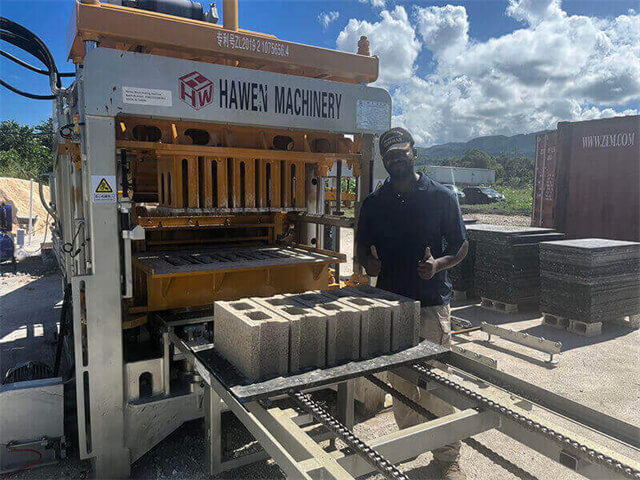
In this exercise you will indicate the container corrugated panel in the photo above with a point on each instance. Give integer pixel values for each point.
(598, 177)
(544, 191)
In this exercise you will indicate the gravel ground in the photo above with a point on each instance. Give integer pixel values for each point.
(500, 219)
(599, 372)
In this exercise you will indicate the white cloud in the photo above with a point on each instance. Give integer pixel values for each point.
(557, 67)
(443, 29)
(325, 18)
(375, 3)
(392, 39)
(534, 11)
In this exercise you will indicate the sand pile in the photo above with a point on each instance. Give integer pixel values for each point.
(15, 191)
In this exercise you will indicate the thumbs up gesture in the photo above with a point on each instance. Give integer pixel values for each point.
(373, 264)
(427, 267)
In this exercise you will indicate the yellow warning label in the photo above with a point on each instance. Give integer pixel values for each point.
(104, 187)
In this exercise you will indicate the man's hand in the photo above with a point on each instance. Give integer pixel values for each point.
(427, 267)
(373, 264)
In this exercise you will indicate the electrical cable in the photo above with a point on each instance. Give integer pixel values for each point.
(26, 40)
(32, 96)
(31, 67)
(23, 467)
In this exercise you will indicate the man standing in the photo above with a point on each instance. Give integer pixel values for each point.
(409, 233)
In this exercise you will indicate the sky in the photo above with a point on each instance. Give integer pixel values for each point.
(456, 70)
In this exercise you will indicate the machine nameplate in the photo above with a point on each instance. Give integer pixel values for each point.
(146, 96)
(219, 93)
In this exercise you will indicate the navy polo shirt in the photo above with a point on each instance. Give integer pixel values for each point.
(401, 226)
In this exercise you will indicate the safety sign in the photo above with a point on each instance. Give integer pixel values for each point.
(103, 188)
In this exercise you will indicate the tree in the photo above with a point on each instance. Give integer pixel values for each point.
(518, 171)
(26, 152)
(475, 158)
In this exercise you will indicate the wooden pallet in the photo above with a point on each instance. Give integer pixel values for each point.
(587, 329)
(497, 306)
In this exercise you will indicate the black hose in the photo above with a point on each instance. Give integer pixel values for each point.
(32, 96)
(19, 36)
(24, 64)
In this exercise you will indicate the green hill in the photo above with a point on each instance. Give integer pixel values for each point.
(522, 145)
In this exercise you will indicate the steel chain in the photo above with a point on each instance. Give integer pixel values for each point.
(476, 445)
(380, 463)
(594, 455)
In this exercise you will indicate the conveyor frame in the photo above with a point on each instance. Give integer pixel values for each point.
(300, 456)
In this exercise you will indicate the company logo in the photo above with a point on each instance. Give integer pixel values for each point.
(195, 90)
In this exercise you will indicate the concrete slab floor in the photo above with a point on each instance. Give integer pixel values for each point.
(601, 372)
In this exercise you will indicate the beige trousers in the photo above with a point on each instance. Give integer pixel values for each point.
(436, 327)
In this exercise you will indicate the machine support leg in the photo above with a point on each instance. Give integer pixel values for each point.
(346, 391)
(213, 417)
(166, 362)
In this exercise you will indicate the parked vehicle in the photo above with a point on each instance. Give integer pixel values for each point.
(459, 193)
(482, 195)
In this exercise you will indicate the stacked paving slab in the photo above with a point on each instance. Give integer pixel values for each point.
(285, 334)
(589, 281)
(462, 275)
(507, 267)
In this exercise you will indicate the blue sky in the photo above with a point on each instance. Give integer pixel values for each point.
(431, 58)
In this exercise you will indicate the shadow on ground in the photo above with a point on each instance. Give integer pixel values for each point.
(29, 319)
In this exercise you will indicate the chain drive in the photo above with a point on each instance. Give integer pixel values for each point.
(567, 442)
(376, 460)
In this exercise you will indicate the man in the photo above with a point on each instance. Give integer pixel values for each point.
(409, 233)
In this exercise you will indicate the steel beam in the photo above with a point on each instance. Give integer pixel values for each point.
(406, 444)
(521, 338)
(613, 427)
(248, 418)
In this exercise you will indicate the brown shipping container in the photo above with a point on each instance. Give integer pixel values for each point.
(597, 179)
(544, 189)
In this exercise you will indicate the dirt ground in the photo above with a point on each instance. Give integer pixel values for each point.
(16, 192)
(600, 372)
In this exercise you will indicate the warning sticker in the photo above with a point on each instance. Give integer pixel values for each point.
(103, 188)
(146, 96)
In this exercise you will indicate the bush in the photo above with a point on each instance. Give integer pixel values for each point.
(518, 201)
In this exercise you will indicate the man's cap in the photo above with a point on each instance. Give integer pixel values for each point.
(395, 139)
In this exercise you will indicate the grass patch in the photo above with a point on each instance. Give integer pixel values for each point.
(518, 201)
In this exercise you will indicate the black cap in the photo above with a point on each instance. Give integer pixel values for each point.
(395, 139)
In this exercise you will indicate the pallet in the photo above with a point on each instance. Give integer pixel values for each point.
(246, 391)
(497, 306)
(587, 329)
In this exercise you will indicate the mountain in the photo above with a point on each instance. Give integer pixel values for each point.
(522, 145)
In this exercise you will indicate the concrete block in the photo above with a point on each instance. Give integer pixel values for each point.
(375, 321)
(254, 339)
(343, 326)
(405, 315)
(307, 331)
(585, 329)
(555, 321)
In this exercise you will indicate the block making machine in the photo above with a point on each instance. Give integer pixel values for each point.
(191, 168)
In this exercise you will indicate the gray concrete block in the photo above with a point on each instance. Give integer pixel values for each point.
(405, 316)
(254, 339)
(307, 331)
(343, 326)
(375, 321)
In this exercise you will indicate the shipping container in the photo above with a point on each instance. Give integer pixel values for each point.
(587, 181)
(544, 187)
